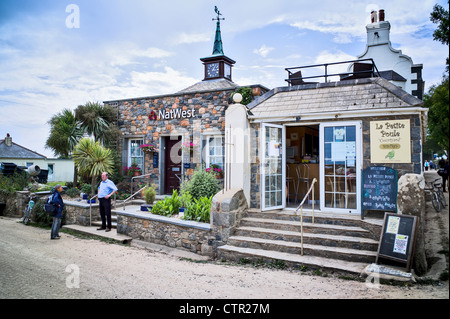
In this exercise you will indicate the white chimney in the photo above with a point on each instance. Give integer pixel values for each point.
(8, 140)
(378, 32)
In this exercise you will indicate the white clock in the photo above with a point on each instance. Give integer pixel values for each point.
(212, 70)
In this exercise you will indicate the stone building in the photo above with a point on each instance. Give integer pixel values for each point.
(185, 128)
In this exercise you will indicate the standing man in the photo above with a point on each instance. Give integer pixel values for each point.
(105, 190)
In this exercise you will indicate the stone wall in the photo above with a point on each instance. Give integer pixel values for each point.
(173, 232)
(79, 213)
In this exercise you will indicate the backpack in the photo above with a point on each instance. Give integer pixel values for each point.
(50, 207)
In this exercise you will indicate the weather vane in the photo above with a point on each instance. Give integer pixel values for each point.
(218, 14)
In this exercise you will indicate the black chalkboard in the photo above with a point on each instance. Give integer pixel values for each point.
(398, 238)
(379, 189)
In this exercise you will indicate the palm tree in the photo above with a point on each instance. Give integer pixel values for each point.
(92, 159)
(65, 132)
(98, 121)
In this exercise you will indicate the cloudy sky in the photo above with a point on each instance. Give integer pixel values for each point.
(58, 54)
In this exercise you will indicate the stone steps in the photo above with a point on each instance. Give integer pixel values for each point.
(333, 241)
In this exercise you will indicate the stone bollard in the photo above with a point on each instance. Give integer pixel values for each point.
(411, 201)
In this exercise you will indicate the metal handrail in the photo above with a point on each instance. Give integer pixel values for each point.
(140, 176)
(311, 188)
(124, 202)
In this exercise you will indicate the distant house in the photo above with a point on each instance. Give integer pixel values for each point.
(61, 170)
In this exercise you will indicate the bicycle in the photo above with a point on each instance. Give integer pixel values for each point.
(437, 196)
(27, 214)
(438, 186)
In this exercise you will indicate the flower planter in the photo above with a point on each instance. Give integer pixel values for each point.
(91, 201)
(85, 196)
(146, 207)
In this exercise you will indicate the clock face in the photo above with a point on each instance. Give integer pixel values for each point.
(212, 70)
(227, 71)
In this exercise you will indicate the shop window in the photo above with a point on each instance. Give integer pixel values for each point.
(213, 151)
(135, 154)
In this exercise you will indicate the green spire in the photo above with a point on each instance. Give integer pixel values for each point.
(218, 47)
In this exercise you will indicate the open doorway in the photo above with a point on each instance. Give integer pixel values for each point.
(302, 165)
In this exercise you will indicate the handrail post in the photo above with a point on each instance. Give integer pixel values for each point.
(90, 210)
(301, 228)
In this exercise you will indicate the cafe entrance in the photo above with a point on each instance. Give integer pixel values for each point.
(293, 155)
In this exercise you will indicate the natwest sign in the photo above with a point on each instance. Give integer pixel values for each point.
(172, 114)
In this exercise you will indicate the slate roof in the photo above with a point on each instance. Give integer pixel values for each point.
(17, 151)
(210, 85)
(349, 95)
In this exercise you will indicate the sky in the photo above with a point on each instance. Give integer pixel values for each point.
(57, 54)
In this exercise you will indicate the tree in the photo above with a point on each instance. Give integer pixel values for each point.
(65, 132)
(98, 120)
(92, 159)
(440, 16)
(437, 101)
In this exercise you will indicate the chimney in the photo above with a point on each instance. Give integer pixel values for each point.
(8, 140)
(381, 15)
(373, 16)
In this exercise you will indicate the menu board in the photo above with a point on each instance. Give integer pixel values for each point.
(397, 238)
(379, 189)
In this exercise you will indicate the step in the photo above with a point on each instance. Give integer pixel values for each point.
(229, 252)
(112, 235)
(290, 225)
(308, 238)
(341, 253)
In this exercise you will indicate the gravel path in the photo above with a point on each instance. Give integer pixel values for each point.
(33, 266)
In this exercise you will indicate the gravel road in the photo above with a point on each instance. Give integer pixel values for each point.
(33, 266)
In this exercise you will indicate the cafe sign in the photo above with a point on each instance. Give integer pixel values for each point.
(390, 141)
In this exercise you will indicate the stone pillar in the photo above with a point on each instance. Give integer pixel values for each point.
(237, 148)
(227, 209)
(411, 201)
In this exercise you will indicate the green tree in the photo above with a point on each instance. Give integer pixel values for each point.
(98, 120)
(437, 101)
(65, 132)
(92, 159)
(440, 16)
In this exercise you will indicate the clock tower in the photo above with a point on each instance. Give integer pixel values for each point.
(217, 65)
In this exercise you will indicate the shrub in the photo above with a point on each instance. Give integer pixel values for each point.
(150, 195)
(73, 192)
(202, 184)
(167, 206)
(13, 183)
(198, 210)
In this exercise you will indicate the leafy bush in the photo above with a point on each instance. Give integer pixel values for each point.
(73, 192)
(198, 210)
(167, 206)
(14, 183)
(150, 195)
(202, 184)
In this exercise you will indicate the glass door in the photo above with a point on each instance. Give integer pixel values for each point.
(340, 166)
(273, 179)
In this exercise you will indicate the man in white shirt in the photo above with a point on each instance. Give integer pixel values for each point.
(105, 190)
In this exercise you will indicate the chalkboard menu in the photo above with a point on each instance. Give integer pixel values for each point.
(379, 189)
(397, 238)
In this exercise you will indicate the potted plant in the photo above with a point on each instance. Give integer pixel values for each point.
(148, 148)
(149, 196)
(216, 170)
(184, 201)
(188, 147)
(133, 170)
(85, 191)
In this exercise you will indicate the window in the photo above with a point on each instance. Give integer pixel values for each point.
(135, 154)
(213, 151)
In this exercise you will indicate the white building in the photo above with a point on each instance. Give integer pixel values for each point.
(59, 170)
(393, 65)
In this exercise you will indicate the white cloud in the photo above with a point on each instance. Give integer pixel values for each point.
(263, 51)
(189, 38)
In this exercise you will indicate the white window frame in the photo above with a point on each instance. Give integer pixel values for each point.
(140, 153)
(206, 149)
